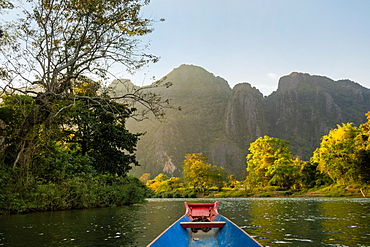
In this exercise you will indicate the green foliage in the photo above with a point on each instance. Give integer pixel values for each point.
(66, 145)
(161, 177)
(270, 163)
(164, 186)
(344, 154)
(363, 145)
(100, 133)
(49, 51)
(337, 155)
(86, 128)
(145, 177)
(335, 190)
(219, 176)
(307, 175)
(170, 184)
(232, 181)
(201, 175)
(228, 192)
(196, 171)
(84, 140)
(342, 159)
(14, 110)
(75, 192)
(65, 35)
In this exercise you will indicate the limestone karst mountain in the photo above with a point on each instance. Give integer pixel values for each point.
(221, 122)
(305, 107)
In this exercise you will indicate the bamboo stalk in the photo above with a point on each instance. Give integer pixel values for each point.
(363, 194)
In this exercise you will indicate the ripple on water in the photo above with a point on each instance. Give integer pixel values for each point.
(272, 221)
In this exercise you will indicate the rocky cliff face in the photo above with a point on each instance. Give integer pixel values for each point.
(305, 107)
(197, 128)
(221, 122)
(244, 117)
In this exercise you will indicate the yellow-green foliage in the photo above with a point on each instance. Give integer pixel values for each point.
(344, 154)
(145, 178)
(270, 163)
(163, 183)
(199, 174)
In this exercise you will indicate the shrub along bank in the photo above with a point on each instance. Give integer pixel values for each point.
(73, 193)
(270, 191)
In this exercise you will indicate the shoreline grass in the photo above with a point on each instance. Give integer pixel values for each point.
(270, 191)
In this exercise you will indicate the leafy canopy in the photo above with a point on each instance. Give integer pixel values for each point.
(269, 162)
(198, 173)
(61, 51)
(343, 154)
(101, 134)
(57, 41)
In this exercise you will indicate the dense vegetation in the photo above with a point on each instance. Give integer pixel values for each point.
(63, 138)
(343, 159)
(340, 166)
(79, 161)
(199, 178)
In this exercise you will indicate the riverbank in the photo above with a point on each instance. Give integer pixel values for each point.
(73, 193)
(269, 191)
(85, 196)
(338, 191)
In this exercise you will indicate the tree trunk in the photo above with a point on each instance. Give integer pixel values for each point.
(26, 132)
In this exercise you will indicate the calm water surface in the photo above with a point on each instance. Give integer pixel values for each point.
(272, 221)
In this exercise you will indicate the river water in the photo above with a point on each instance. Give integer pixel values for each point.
(271, 221)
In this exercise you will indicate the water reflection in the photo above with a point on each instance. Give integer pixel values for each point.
(346, 220)
(304, 221)
(272, 221)
(98, 227)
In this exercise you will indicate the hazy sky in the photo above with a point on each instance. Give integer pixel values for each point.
(258, 41)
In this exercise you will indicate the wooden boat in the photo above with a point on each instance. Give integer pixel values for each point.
(202, 225)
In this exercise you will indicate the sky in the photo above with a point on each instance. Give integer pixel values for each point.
(258, 41)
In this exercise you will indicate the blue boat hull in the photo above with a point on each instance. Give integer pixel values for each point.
(228, 235)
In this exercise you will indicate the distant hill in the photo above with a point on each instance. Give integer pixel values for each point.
(221, 122)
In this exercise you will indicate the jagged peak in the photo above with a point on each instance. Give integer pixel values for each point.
(349, 82)
(245, 86)
(301, 75)
(192, 67)
(121, 85)
(296, 79)
(294, 74)
(121, 82)
(193, 74)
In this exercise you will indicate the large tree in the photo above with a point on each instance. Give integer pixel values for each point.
(343, 154)
(96, 132)
(196, 171)
(363, 142)
(199, 174)
(56, 44)
(270, 162)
